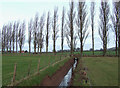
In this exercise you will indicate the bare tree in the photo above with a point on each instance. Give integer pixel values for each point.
(55, 28)
(10, 36)
(13, 35)
(3, 38)
(104, 25)
(16, 31)
(92, 23)
(115, 20)
(30, 27)
(82, 24)
(21, 35)
(119, 30)
(68, 38)
(35, 31)
(7, 37)
(40, 33)
(47, 31)
(70, 27)
(74, 42)
(62, 31)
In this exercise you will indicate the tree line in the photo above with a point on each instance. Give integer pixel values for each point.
(74, 25)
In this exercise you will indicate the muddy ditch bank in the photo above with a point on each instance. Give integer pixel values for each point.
(58, 76)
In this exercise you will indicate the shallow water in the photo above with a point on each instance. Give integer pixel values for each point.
(67, 77)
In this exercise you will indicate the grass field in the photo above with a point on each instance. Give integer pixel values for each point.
(106, 67)
(109, 52)
(23, 62)
(36, 80)
(102, 71)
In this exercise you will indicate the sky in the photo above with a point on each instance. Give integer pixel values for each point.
(19, 10)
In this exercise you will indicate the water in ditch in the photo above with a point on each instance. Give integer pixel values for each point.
(67, 78)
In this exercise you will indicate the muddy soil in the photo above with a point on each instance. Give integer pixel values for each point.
(58, 76)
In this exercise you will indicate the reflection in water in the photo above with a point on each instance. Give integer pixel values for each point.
(66, 80)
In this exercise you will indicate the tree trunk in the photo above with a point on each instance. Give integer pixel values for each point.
(62, 45)
(29, 47)
(46, 48)
(34, 48)
(7, 47)
(71, 38)
(16, 45)
(13, 46)
(103, 48)
(54, 46)
(93, 39)
(10, 46)
(38, 48)
(20, 49)
(116, 43)
(81, 49)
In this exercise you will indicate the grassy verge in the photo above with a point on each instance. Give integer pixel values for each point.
(23, 62)
(102, 71)
(36, 80)
(78, 76)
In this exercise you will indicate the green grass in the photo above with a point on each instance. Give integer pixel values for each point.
(23, 62)
(77, 76)
(102, 71)
(109, 52)
(36, 80)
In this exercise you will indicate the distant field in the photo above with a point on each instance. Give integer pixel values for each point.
(67, 53)
(91, 53)
(23, 61)
(102, 71)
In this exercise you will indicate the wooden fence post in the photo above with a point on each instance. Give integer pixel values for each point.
(60, 57)
(14, 73)
(38, 65)
(49, 61)
(29, 67)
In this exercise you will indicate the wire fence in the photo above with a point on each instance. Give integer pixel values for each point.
(20, 69)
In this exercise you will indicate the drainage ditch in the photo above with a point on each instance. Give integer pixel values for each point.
(67, 78)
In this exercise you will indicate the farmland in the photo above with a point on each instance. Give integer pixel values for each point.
(23, 62)
(105, 67)
(101, 71)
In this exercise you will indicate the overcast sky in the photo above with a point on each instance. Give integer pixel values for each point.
(19, 10)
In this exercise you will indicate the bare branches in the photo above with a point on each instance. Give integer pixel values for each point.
(104, 24)
(13, 35)
(3, 38)
(35, 28)
(119, 30)
(47, 31)
(115, 20)
(16, 31)
(40, 32)
(92, 23)
(82, 24)
(55, 28)
(30, 27)
(62, 28)
(21, 35)
(70, 27)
